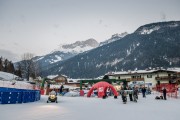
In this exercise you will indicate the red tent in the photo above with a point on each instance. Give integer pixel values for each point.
(101, 88)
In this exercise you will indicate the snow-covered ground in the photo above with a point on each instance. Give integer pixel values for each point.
(82, 108)
(9, 80)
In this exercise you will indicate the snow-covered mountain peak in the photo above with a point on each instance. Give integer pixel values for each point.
(114, 38)
(78, 46)
(149, 28)
(119, 35)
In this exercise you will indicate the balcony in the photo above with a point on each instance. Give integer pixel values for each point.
(165, 78)
(135, 79)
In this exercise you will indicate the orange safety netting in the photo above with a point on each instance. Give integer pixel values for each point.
(171, 89)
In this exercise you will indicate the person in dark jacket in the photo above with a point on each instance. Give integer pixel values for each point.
(164, 93)
(135, 94)
(61, 89)
(143, 92)
(123, 94)
(130, 93)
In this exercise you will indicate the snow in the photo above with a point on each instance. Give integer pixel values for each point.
(39, 58)
(76, 49)
(176, 69)
(16, 84)
(149, 31)
(51, 76)
(83, 108)
(138, 44)
(131, 72)
(72, 94)
(114, 62)
(114, 37)
(99, 65)
(7, 76)
(8, 80)
(56, 59)
(174, 25)
(60, 69)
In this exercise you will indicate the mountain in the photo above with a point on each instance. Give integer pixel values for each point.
(79, 46)
(113, 38)
(151, 45)
(65, 52)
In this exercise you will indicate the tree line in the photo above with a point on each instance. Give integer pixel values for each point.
(25, 68)
(7, 66)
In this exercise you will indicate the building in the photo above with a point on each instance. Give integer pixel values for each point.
(149, 78)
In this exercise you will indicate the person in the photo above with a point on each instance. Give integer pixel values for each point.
(130, 93)
(52, 96)
(135, 94)
(143, 92)
(148, 90)
(124, 98)
(164, 93)
(61, 89)
(53, 92)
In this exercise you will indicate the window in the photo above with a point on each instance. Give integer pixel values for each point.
(149, 76)
(133, 76)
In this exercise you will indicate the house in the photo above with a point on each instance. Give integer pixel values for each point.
(147, 77)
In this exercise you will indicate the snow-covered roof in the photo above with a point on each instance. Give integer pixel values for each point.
(54, 76)
(65, 86)
(174, 69)
(77, 80)
(73, 80)
(134, 72)
(51, 76)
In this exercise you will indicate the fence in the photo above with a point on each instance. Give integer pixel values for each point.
(13, 96)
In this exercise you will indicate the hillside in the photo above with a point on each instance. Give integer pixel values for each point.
(151, 45)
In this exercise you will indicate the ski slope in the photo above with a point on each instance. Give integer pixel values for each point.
(82, 108)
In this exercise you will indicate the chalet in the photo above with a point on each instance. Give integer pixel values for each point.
(148, 77)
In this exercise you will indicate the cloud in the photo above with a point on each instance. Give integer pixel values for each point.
(9, 55)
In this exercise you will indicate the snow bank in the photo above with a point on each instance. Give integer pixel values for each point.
(7, 76)
(16, 84)
(72, 94)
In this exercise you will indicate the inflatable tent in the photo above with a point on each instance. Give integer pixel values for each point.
(101, 87)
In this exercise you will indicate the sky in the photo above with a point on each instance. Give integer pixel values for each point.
(39, 26)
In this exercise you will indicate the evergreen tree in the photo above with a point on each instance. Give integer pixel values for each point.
(1, 64)
(10, 67)
(5, 65)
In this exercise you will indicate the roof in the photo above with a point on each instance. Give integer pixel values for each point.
(174, 69)
(138, 72)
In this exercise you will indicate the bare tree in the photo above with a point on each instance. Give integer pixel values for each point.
(29, 67)
(18, 72)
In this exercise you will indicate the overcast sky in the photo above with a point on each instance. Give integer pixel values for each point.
(39, 26)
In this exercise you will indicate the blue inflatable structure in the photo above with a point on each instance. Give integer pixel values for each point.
(14, 96)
